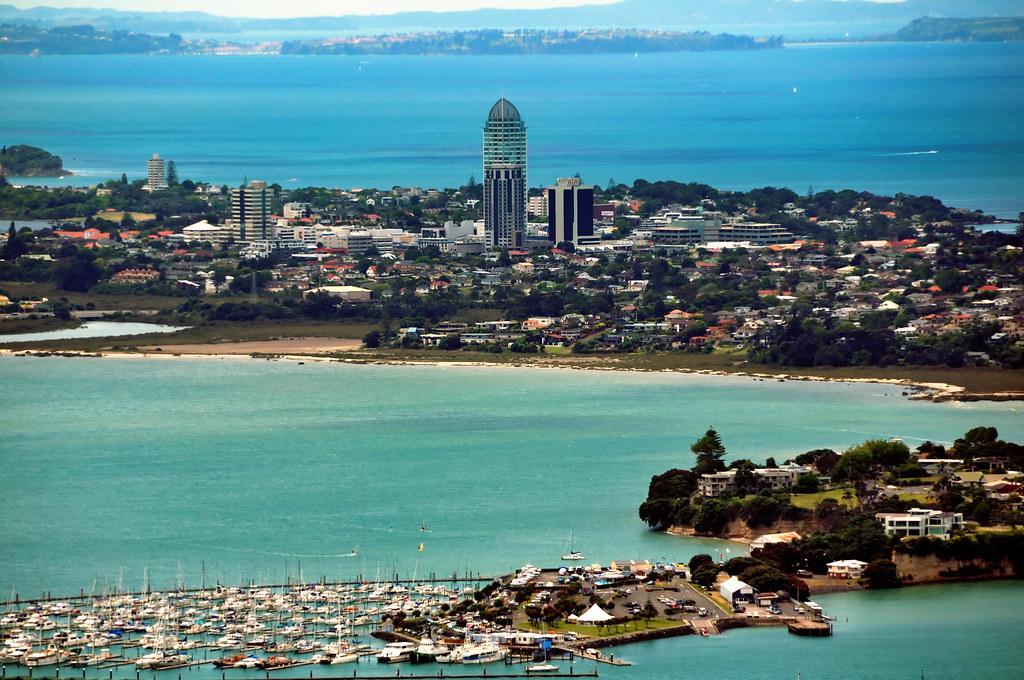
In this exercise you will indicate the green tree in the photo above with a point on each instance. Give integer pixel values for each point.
(882, 574)
(372, 339)
(806, 483)
(77, 272)
(172, 174)
(699, 560)
(15, 247)
(649, 612)
(709, 451)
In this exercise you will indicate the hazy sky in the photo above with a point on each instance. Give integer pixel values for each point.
(276, 8)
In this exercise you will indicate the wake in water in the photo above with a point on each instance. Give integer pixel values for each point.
(909, 153)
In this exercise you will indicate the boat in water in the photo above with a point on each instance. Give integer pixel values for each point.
(485, 652)
(572, 554)
(396, 652)
(428, 650)
(163, 659)
(542, 668)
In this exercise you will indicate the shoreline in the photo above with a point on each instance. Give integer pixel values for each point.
(917, 390)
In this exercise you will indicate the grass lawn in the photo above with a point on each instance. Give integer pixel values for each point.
(603, 631)
(807, 501)
(118, 215)
(917, 498)
(46, 323)
(23, 289)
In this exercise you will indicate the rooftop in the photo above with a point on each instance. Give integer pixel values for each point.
(504, 111)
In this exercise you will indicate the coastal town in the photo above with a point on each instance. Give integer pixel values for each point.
(766, 277)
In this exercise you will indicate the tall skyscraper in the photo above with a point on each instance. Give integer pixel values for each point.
(250, 211)
(570, 212)
(156, 176)
(504, 176)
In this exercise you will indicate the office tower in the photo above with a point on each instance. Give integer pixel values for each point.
(570, 212)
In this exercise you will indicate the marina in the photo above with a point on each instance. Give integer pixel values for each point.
(474, 622)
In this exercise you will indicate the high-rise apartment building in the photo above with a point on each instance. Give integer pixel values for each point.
(504, 176)
(156, 175)
(250, 211)
(504, 206)
(570, 212)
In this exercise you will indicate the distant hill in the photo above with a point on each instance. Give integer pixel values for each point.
(834, 17)
(994, 29)
(22, 160)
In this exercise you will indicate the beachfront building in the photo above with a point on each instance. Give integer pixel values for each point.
(570, 212)
(156, 176)
(921, 522)
(505, 176)
(715, 484)
(735, 591)
(846, 569)
(251, 210)
(760, 542)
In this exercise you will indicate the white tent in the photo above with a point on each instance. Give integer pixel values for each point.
(595, 615)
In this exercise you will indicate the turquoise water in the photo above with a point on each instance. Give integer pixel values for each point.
(266, 470)
(256, 470)
(93, 329)
(861, 116)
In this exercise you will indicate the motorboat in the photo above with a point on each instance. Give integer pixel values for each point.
(428, 650)
(542, 668)
(396, 652)
(485, 652)
(248, 662)
(45, 657)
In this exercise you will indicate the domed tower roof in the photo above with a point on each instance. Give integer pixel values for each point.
(504, 111)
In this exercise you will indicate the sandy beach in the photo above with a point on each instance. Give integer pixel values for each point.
(322, 350)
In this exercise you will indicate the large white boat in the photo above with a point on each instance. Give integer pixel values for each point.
(485, 652)
(428, 650)
(396, 652)
(45, 657)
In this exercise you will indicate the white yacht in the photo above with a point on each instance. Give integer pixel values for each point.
(572, 553)
(428, 650)
(485, 652)
(396, 652)
(45, 657)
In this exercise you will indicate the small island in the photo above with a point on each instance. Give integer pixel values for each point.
(22, 160)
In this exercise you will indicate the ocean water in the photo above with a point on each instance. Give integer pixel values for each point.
(941, 119)
(268, 470)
